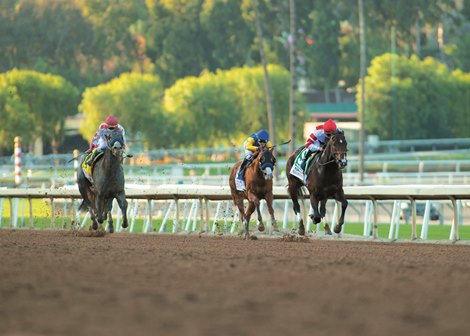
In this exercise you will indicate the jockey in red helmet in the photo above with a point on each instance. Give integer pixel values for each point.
(98, 143)
(259, 140)
(318, 139)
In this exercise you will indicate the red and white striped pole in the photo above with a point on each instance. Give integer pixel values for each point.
(17, 161)
(75, 165)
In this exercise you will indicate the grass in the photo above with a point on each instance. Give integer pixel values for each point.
(435, 232)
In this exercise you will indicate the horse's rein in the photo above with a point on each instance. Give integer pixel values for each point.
(331, 161)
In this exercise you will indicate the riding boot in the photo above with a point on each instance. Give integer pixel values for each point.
(96, 153)
(241, 173)
(304, 160)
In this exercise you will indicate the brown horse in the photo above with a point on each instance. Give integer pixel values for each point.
(259, 185)
(324, 181)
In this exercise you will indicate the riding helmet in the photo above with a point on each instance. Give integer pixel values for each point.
(111, 121)
(263, 135)
(329, 127)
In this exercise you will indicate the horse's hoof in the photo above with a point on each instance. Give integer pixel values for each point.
(94, 226)
(327, 230)
(275, 228)
(261, 227)
(125, 225)
(316, 220)
(111, 230)
(337, 229)
(302, 231)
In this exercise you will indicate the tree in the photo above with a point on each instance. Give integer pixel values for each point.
(424, 94)
(323, 52)
(136, 100)
(178, 44)
(247, 84)
(49, 37)
(204, 110)
(44, 99)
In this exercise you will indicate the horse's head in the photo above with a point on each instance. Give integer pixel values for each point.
(266, 163)
(116, 144)
(338, 148)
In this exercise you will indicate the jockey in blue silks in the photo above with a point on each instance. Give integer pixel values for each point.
(256, 141)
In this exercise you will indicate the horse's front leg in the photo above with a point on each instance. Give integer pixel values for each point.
(253, 203)
(323, 214)
(94, 223)
(269, 203)
(316, 217)
(294, 195)
(251, 208)
(100, 207)
(238, 201)
(260, 220)
(122, 202)
(109, 207)
(344, 205)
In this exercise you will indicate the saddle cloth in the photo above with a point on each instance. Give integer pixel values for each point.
(239, 183)
(87, 169)
(296, 170)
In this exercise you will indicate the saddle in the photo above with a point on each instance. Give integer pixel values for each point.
(88, 169)
(297, 171)
(240, 184)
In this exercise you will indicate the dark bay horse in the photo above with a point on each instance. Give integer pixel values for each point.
(259, 185)
(324, 181)
(108, 184)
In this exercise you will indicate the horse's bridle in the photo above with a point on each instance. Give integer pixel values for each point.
(338, 157)
(116, 148)
(266, 168)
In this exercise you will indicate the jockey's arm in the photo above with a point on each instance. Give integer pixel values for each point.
(250, 145)
(124, 135)
(269, 146)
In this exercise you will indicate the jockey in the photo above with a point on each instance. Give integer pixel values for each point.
(259, 140)
(318, 139)
(99, 142)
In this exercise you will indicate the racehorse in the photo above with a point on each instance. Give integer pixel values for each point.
(259, 185)
(108, 184)
(324, 181)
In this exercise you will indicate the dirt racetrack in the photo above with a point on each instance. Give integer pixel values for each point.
(57, 283)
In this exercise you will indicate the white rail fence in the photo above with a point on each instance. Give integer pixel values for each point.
(212, 204)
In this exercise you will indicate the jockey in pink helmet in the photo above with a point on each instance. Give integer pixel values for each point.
(99, 142)
(318, 139)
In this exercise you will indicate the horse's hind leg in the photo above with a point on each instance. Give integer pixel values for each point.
(294, 195)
